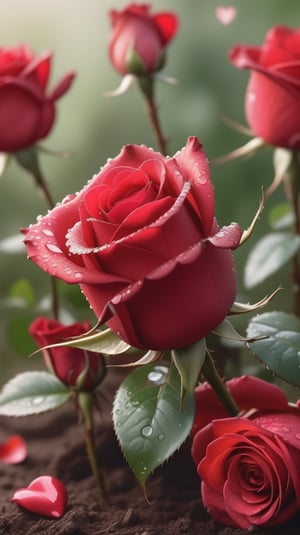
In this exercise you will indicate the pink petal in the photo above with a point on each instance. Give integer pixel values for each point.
(46, 496)
(225, 15)
(14, 450)
(63, 86)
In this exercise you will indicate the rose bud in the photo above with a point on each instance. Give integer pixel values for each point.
(143, 242)
(272, 102)
(77, 368)
(27, 112)
(249, 465)
(138, 41)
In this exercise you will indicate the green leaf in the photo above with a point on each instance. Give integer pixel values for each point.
(189, 361)
(32, 393)
(106, 342)
(269, 255)
(151, 420)
(281, 216)
(12, 244)
(280, 352)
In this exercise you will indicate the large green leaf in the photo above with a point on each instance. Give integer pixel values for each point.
(32, 393)
(189, 361)
(150, 418)
(280, 352)
(269, 255)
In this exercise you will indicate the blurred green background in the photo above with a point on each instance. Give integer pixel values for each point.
(94, 128)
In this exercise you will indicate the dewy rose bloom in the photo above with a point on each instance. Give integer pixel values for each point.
(73, 367)
(142, 240)
(249, 465)
(272, 101)
(27, 112)
(139, 39)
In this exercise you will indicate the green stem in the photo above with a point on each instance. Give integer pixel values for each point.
(85, 402)
(212, 376)
(28, 159)
(147, 87)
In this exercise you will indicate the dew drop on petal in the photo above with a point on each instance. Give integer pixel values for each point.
(78, 275)
(53, 248)
(47, 232)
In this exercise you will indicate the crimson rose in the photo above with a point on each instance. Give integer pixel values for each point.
(272, 102)
(249, 465)
(73, 367)
(27, 113)
(139, 39)
(142, 240)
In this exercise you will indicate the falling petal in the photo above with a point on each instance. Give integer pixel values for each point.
(225, 15)
(13, 450)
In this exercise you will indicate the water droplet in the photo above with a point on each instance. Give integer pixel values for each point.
(285, 429)
(158, 375)
(161, 436)
(38, 400)
(47, 232)
(53, 248)
(147, 431)
(78, 275)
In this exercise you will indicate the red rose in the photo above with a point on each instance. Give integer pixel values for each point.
(272, 101)
(249, 465)
(139, 39)
(27, 113)
(142, 241)
(73, 367)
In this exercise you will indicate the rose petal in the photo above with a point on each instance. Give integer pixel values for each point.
(225, 15)
(193, 163)
(167, 24)
(45, 496)
(13, 450)
(227, 237)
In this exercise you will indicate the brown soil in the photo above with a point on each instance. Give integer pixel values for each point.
(56, 447)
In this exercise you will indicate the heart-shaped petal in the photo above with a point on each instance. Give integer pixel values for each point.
(45, 496)
(13, 450)
(225, 15)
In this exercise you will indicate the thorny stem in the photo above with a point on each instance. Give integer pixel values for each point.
(212, 376)
(147, 87)
(85, 402)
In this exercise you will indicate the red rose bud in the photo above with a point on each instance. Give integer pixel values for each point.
(27, 112)
(272, 101)
(74, 367)
(143, 242)
(138, 42)
(249, 465)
